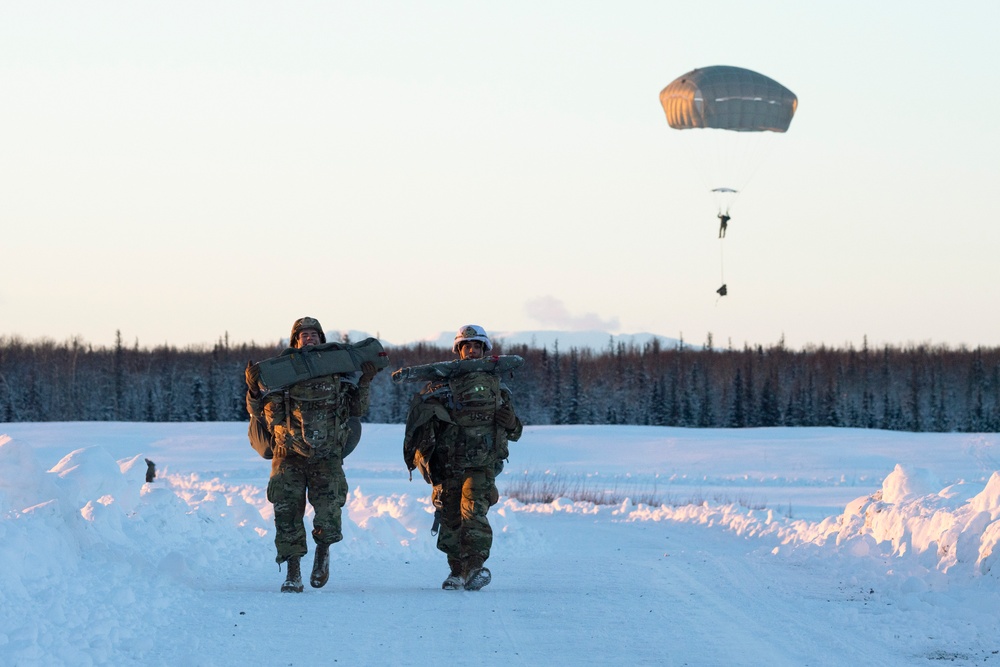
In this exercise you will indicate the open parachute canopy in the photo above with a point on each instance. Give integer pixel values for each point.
(728, 98)
(741, 113)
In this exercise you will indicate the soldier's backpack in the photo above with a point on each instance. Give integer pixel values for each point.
(466, 399)
(262, 440)
(278, 373)
(475, 398)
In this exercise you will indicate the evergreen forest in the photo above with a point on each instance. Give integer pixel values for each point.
(908, 388)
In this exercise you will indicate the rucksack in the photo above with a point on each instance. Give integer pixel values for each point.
(467, 400)
(475, 398)
(262, 440)
(426, 407)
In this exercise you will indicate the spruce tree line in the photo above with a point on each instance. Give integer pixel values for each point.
(910, 388)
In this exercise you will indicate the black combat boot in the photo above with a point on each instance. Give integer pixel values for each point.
(455, 580)
(293, 580)
(321, 566)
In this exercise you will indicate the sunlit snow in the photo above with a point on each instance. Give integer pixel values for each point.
(734, 547)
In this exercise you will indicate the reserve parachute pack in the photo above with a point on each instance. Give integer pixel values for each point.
(315, 361)
(442, 370)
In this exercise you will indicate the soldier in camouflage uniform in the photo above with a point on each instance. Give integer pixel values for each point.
(309, 424)
(469, 448)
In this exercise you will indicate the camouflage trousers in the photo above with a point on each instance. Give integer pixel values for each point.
(466, 535)
(295, 480)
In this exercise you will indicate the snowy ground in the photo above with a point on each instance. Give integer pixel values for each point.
(802, 547)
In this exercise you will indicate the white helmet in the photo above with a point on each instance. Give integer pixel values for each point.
(472, 332)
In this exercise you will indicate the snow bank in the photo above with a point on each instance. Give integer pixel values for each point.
(88, 548)
(954, 530)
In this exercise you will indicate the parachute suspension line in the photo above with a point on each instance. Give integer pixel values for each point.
(722, 271)
(722, 261)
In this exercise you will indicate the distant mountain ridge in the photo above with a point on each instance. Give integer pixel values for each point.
(598, 341)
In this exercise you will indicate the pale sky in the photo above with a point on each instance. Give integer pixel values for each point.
(180, 170)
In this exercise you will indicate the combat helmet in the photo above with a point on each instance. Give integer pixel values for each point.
(471, 332)
(306, 323)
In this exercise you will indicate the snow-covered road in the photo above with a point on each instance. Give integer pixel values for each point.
(97, 568)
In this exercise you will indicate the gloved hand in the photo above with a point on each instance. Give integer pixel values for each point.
(368, 371)
(506, 418)
(253, 379)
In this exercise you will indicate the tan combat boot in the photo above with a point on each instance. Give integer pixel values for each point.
(293, 580)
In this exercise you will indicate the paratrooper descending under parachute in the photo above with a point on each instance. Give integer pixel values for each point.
(731, 104)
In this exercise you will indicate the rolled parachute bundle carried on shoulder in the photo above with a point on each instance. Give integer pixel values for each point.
(442, 370)
(315, 361)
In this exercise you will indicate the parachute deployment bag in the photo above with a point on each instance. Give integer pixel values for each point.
(293, 366)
